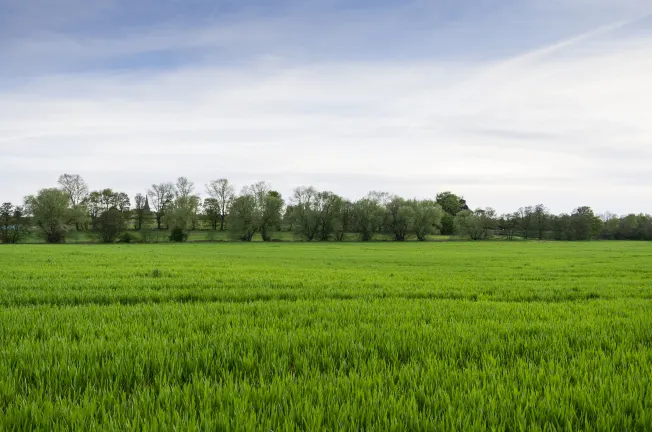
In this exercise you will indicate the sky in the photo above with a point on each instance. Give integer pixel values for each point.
(508, 103)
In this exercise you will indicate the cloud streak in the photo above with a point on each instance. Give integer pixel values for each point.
(565, 124)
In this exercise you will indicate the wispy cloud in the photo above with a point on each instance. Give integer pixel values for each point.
(541, 125)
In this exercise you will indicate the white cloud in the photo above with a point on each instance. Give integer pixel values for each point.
(565, 125)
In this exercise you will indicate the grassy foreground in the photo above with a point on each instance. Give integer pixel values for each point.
(447, 336)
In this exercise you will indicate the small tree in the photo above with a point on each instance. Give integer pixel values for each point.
(475, 225)
(244, 218)
(14, 225)
(110, 225)
(427, 216)
(270, 215)
(213, 212)
(52, 213)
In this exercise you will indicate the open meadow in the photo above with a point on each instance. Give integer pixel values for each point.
(327, 336)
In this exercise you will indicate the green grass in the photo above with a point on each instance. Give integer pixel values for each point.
(382, 336)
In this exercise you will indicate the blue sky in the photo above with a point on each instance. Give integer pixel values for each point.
(507, 102)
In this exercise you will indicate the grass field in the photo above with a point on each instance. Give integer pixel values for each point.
(383, 336)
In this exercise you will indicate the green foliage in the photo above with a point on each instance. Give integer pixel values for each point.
(110, 224)
(452, 336)
(14, 224)
(128, 237)
(178, 235)
(367, 215)
(475, 225)
(257, 210)
(447, 224)
(51, 212)
(244, 218)
(427, 217)
(584, 224)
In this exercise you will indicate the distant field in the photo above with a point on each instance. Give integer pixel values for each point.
(383, 336)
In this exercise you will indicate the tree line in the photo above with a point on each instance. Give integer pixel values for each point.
(312, 215)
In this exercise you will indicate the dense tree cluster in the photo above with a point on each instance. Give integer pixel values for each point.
(312, 215)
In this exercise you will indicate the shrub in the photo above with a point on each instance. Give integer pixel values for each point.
(178, 235)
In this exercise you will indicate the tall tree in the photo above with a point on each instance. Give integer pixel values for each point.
(75, 187)
(52, 213)
(160, 196)
(329, 206)
(368, 215)
(541, 220)
(223, 193)
(401, 218)
(451, 204)
(584, 224)
(244, 217)
(270, 215)
(77, 190)
(183, 188)
(305, 212)
(525, 217)
(427, 217)
(213, 212)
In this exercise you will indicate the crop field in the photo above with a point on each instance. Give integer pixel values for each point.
(381, 336)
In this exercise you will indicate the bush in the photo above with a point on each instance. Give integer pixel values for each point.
(178, 235)
(129, 238)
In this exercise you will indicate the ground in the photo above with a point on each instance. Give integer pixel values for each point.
(298, 336)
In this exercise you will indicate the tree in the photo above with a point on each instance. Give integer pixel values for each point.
(401, 217)
(288, 216)
(475, 225)
(52, 213)
(524, 219)
(160, 196)
(94, 206)
(213, 212)
(181, 213)
(561, 226)
(98, 202)
(223, 193)
(14, 225)
(77, 190)
(258, 209)
(541, 220)
(344, 221)
(75, 186)
(427, 217)
(110, 225)
(329, 207)
(507, 224)
(584, 224)
(244, 217)
(305, 212)
(367, 215)
(451, 204)
(183, 188)
(141, 210)
(270, 215)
